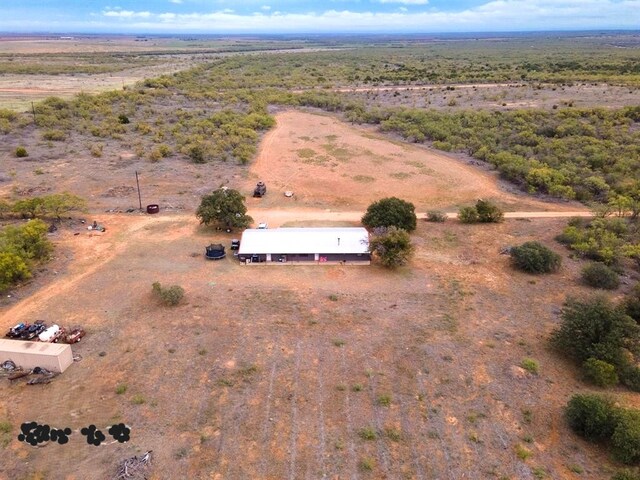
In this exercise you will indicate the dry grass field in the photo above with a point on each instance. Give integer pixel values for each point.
(299, 372)
(93, 64)
(495, 96)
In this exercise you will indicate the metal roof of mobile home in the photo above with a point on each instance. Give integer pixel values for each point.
(305, 240)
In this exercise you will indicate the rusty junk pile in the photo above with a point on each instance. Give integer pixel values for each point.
(13, 372)
(134, 467)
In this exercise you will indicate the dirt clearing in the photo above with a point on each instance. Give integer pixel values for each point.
(331, 164)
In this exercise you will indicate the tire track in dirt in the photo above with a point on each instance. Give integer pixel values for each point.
(294, 416)
(409, 436)
(113, 242)
(266, 424)
(352, 463)
(277, 217)
(322, 444)
(443, 462)
(235, 405)
(383, 451)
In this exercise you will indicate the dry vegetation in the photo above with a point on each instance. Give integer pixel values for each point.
(441, 369)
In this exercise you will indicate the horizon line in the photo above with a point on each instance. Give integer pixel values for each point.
(324, 33)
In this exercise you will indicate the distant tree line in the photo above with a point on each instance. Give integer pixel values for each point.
(47, 206)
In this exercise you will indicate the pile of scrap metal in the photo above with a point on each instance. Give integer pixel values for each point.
(96, 227)
(45, 376)
(13, 372)
(134, 467)
(8, 369)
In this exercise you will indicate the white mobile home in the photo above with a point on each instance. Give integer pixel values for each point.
(305, 246)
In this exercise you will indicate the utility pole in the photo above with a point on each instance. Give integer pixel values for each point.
(138, 184)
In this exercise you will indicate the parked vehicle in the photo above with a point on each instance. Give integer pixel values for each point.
(262, 226)
(260, 190)
(235, 244)
(51, 334)
(34, 330)
(17, 330)
(75, 335)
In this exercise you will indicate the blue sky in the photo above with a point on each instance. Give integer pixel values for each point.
(315, 16)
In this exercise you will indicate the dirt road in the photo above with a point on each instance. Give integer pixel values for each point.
(276, 218)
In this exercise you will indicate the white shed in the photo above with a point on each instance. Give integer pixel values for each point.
(55, 357)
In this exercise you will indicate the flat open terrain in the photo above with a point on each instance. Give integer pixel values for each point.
(498, 96)
(34, 68)
(299, 372)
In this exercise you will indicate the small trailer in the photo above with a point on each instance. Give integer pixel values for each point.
(75, 335)
(51, 334)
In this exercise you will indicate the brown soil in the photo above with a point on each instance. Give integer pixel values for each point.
(330, 164)
(274, 372)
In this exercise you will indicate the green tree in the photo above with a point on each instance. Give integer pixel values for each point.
(391, 212)
(198, 154)
(598, 275)
(436, 216)
(621, 204)
(29, 241)
(625, 441)
(468, 215)
(533, 257)
(631, 303)
(5, 208)
(597, 329)
(12, 269)
(488, 212)
(626, 475)
(601, 373)
(591, 416)
(29, 207)
(632, 251)
(392, 246)
(61, 203)
(170, 296)
(224, 208)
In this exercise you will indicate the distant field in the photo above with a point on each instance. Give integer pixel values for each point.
(34, 68)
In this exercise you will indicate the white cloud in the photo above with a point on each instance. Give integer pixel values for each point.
(403, 9)
(406, 2)
(265, 7)
(494, 15)
(126, 14)
(177, 2)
